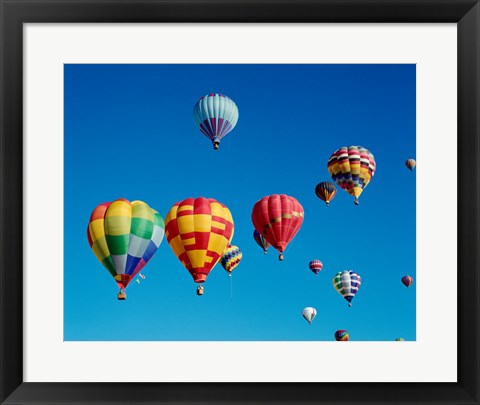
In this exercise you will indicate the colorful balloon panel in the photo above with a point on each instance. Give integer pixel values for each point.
(410, 164)
(261, 241)
(278, 218)
(231, 258)
(309, 313)
(342, 335)
(316, 266)
(216, 115)
(407, 281)
(326, 191)
(352, 169)
(347, 284)
(198, 230)
(124, 236)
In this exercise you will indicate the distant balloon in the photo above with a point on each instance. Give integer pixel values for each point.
(124, 236)
(326, 191)
(342, 335)
(399, 340)
(278, 218)
(261, 241)
(231, 258)
(410, 164)
(352, 169)
(407, 281)
(216, 115)
(198, 230)
(309, 313)
(315, 266)
(347, 284)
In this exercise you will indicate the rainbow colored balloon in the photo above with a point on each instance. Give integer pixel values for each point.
(407, 281)
(216, 115)
(124, 236)
(231, 258)
(352, 169)
(316, 266)
(347, 284)
(342, 335)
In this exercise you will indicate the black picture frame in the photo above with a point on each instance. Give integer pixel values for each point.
(14, 13)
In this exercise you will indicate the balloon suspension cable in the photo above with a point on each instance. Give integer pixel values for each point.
(231, 287)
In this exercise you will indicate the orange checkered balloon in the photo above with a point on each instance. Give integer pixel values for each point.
(198, 230)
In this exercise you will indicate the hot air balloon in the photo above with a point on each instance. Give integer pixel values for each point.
(399, 340)
(261, 241)
(124, 236)
(198, 230)
(315, 266)
(410, 164)
(278, 218)
(407, 281)
(231, 258)
(342, 335)
(352, 169)
(216, 115)
(326, 191)
(347, 284)
(309, 313)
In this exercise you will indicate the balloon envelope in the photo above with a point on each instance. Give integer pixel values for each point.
(216, 115)
(198, 230)
(316, 266)
(352, 169)
(309, 313)
(342, 335)
(124, 236)
(261, 241)
(278, 218)
(347, 284)
(410, 164)
(326, 191)
(407, 281)
(231, 258)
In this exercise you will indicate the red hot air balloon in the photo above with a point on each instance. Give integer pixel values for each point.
(278, 218)
(315, 266)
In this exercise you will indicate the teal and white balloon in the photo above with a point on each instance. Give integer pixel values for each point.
(216, 115)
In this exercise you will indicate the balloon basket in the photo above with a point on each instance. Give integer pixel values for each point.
(215, 145)
(200, 290)
(122, 296)
(280, 257)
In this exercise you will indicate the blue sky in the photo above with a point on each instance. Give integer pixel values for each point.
(129, 132)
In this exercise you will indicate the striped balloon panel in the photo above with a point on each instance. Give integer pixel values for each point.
(231, 258)
(278, 218)
(347, 284)
(124, 236)
(315, 266)
(326, 191)
(216, 115)
(352, 168)
(342, 335)
(198, 231)
(407, 280)
(309, 313)
(261, 241)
